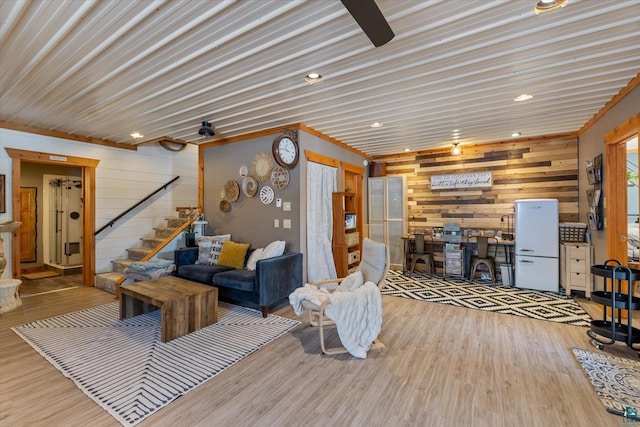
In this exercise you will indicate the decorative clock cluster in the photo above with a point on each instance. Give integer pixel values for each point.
(272, 176)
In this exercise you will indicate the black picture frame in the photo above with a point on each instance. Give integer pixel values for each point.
(597, 168)
(591, 175)
(3, 204)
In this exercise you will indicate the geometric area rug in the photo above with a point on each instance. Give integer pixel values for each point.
(552, 306)
(124, 366)
(615, 379)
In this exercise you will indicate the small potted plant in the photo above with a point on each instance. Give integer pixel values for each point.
(190, 230)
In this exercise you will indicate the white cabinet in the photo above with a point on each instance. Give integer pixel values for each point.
(575, 267)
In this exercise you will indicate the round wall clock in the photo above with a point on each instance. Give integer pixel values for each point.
(266, 195)
(261, 166)
(285, 150)
(279, 178)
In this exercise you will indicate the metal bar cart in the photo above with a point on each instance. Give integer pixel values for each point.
(607, 331)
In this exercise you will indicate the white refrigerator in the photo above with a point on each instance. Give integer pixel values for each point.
(536, 244)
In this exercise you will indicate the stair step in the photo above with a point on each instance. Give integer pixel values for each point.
(107, 281)
(175, 222)
(162, 232)
(119, 265)
(137, 254)
(151, 242)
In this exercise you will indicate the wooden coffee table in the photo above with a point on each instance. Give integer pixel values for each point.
(185, 306)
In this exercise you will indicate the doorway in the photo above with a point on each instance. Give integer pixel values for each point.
(615, 173)
(87, 168)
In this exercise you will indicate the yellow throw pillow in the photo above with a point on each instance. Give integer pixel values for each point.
(233, 254)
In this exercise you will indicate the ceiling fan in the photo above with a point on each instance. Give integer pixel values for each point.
(371, 20)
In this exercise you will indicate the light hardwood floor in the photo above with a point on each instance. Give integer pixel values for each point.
(443, 366)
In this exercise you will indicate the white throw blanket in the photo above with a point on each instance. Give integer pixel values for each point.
(357, 313)
(309, 293)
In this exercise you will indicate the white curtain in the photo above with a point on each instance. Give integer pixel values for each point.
(321, 182)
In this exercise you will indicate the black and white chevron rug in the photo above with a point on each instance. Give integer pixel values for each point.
(124, 367)
(489, 297)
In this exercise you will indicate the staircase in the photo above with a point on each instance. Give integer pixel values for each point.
(148, 248)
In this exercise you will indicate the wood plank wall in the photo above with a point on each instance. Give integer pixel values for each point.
(538, 168)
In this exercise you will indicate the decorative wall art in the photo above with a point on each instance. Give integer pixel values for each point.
(266, 195)
(261, 166)
(249, 186)
(461, 180)
(279, 178)
(232, 190)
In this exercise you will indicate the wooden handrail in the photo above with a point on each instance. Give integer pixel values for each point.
(110, 223)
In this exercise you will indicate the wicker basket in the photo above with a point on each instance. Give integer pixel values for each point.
(573, 232)
(351, 239)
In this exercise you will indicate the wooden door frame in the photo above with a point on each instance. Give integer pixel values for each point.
(616, 179)
(88, 167)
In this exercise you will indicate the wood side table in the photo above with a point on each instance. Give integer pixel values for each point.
(185, 306)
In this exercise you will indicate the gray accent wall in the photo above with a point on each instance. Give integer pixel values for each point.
(249, 220)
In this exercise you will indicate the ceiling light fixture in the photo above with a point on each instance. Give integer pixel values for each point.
(515, 134)
(523, 97)
(312, 78)
(456, 150)
(137, 135)
(548, 5)
(406, 150)
(206, 130)
(376, 125)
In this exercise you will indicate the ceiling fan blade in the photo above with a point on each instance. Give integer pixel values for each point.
(370, 19)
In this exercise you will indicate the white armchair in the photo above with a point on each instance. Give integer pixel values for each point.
(353, 303)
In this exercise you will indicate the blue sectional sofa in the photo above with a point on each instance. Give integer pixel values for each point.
(272, 281)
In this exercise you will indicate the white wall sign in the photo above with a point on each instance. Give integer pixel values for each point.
(462, 180)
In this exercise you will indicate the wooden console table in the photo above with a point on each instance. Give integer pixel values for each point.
(185, 306)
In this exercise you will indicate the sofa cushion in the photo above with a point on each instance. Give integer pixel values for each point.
(273, 249)
(201, 273)
(233, 254)
(254, 258)
(216, 248)
(242, 280)
(204, 246)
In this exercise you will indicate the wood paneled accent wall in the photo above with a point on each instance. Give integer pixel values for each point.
(525, 169)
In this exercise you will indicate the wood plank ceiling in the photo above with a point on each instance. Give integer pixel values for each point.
(106, 68)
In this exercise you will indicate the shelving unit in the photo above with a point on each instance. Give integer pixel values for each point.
(614, 299)
(347, 231)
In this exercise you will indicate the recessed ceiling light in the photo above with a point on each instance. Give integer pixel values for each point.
(407, 149)
(549, 5)
(376, 125)
(523, 97)
(137, 135)
(312, 78)
(516, 134)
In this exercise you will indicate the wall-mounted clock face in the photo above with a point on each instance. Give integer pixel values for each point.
(266, 195)
(285, 151)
